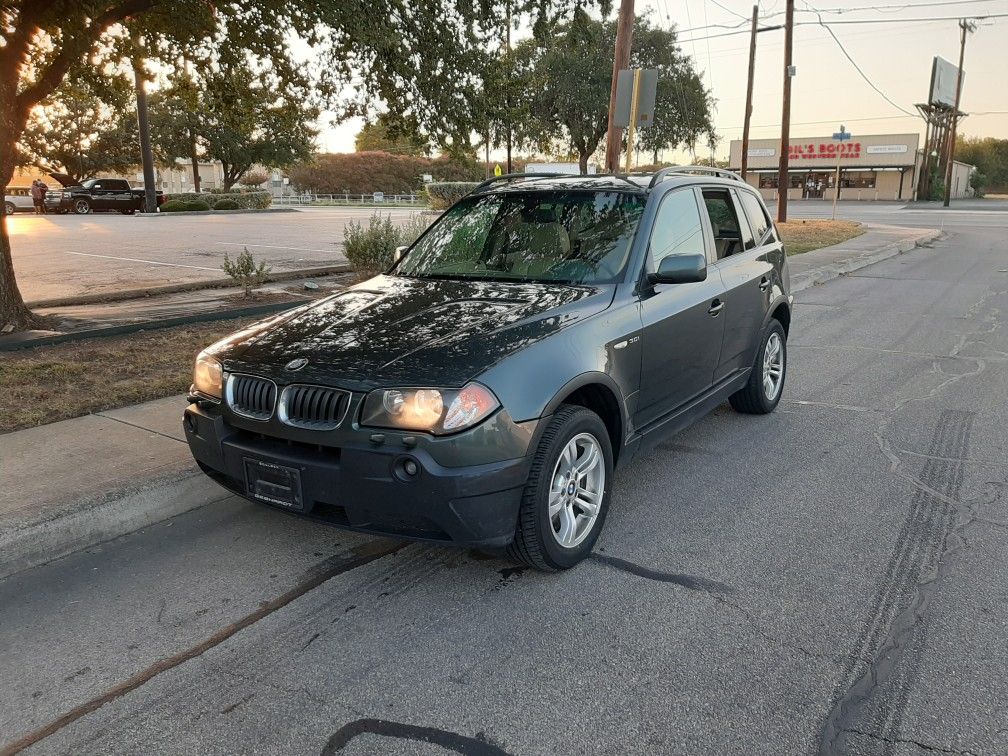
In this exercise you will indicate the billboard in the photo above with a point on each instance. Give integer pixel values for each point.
(944, 80)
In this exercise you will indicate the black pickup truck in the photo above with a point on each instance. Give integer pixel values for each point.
(96, 194)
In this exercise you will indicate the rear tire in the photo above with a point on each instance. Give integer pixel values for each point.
(763, 391)
(9, 208)
(571, 474)
(131, 211)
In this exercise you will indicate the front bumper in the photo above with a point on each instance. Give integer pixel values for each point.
(361, 485)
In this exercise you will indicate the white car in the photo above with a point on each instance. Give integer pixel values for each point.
(17, 198)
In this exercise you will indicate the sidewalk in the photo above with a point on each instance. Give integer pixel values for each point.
(73, 484)
(876, 244)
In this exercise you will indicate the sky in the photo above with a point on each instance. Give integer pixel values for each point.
(828, 90)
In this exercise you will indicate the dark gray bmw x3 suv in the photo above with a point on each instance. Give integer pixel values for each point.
(482, 391)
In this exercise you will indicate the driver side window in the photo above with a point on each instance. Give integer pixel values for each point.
(677, 228)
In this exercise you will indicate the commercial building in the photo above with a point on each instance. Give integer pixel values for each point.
(874, 167)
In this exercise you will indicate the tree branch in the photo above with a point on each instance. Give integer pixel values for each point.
(73, 50)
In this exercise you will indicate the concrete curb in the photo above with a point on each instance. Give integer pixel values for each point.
(831, 271)
(95, 521)
(240, 211)
(211, 283)
(150, 325)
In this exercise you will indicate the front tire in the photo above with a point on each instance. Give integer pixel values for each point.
(763, 391)
(566, 498)
(82, 207)
(9, 208)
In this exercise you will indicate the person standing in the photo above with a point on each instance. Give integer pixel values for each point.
(38, 198)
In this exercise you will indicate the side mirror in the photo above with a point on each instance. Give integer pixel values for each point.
(398, 254)
(675, 269)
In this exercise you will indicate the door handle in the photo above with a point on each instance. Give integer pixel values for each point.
(764, 283)
(715, 307)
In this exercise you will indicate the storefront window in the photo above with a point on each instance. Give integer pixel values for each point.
(857, 180)
(769, 180)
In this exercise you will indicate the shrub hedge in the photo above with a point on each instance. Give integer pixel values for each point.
(184, 205)
(226, 204)
(243, 200)
(368, 172)
(444, 194)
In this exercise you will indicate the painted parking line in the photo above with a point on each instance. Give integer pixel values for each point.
(148, 262)
(276, 246)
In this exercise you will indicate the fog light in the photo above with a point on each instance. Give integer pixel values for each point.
(410, 466)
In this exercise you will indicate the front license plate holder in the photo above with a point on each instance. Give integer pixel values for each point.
(274, 484)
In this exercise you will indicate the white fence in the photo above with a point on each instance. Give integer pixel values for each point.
(376, 198)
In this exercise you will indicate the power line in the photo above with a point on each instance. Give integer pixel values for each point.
(725, 8)
(858, 68)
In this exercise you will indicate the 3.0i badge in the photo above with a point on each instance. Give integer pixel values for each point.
(297, 364)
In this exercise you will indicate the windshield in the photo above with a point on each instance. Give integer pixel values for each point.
(564, 236)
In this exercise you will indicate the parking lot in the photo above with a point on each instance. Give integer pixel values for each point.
(69, 255)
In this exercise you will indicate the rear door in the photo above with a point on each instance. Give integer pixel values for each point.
(747, 275)
(682, 326)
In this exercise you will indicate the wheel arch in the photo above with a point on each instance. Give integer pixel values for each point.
(599, 393)
(780, 310)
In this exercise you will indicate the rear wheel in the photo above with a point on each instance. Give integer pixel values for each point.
(82, 206)
(131, 211)
(763, 391)
(9, 208)
(566, 498)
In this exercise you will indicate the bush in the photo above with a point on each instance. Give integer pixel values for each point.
(226, 204)
(184, 205)
(369, 172)
(370, 248)
(244, 271)
(445, 194)
(245, 200)
(254, 178)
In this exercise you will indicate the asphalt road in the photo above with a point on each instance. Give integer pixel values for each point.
(68, 255)
(829, 578)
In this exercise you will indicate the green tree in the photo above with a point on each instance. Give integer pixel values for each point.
(384, 134)
(175, 113)
(990, 156)
(418, 57)
(570, 112)
(83, 128)
(249, 121)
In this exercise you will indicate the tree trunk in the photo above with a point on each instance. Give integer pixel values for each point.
(12, 307)
(583, 161)
(195, 161)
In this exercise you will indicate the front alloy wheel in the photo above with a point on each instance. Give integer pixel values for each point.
(82, 207)
(576, 491)
(9, 208)
(566, 498)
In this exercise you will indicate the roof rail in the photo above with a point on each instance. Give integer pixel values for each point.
(674, 169)
(507, 177)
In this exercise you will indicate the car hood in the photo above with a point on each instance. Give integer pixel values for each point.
(409, 331)
(65, 181)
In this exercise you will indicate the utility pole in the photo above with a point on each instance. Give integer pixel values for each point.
(143, 124)
(748, 97)
(782, 166)
(621, 60)
(964, 27)
(510, 76)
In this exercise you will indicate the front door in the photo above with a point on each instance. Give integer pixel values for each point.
(682, 323)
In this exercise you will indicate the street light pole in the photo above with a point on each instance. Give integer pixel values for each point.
(621, 60)
(964, 27)
(782, 165)
(748, 98)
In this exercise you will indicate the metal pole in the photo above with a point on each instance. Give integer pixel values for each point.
(836, 187)
(964, 27)
(632, 130)
(748, 97)
(621, 60)
(507, 98)
(143, 124)
(782, 166)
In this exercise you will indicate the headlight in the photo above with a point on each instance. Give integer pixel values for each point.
(437, 411)
(208, 376)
